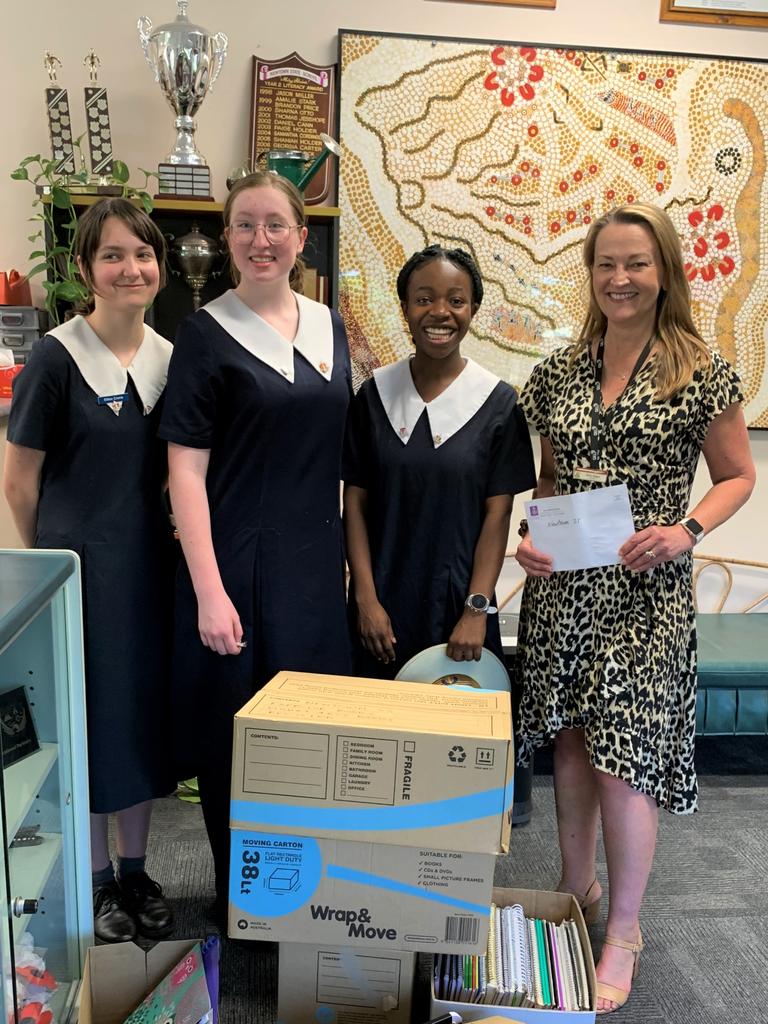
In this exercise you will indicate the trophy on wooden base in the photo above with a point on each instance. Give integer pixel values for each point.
(186, 60)
(97, 120)
(59, 122)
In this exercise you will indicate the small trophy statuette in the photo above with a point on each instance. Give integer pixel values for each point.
(186, 60)
(59, 123)
(97, 120)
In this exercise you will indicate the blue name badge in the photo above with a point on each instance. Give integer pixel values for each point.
(109, 399)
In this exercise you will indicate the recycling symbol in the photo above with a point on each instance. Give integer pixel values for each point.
(457, 755)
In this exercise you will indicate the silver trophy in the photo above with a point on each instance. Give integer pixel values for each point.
(186, 60)
(196, 255)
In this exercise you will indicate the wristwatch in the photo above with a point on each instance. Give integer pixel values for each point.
(694, 528)
(481, 604)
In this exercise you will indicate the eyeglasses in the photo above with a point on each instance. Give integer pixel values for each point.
(275, 232)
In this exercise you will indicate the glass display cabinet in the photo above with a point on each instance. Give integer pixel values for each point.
(45, 871)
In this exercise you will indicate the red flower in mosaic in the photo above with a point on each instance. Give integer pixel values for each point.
(709, 242)
(515, 73)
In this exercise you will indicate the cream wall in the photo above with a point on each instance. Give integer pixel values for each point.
(142, 122)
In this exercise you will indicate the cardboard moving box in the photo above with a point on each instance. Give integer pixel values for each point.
(339, 757)
(117, 978)
(298, 889)
(333, 983)
(550, 906)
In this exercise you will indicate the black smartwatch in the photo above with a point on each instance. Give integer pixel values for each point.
(694, 528)
(480, 603)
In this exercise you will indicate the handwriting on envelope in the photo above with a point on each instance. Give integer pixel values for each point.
(583, 530)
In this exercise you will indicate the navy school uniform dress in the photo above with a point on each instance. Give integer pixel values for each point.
(272, 414)
(101, 495)
(428, 469)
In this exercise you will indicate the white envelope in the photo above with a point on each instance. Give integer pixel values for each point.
(583, 530)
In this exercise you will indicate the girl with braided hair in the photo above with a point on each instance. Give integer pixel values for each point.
(436, 449)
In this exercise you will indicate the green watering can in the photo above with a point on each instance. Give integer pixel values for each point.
(292, 163)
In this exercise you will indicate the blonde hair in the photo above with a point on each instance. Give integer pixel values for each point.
(266, 179)
(681, 349)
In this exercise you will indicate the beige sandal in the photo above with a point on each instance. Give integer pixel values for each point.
(620, 995)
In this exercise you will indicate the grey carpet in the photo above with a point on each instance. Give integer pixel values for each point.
(705, 918)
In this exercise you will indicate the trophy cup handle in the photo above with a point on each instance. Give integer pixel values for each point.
(144, 25)
(221, 41)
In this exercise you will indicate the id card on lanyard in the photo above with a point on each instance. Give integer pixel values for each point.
(601, 418)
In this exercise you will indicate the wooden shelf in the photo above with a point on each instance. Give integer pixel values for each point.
(22, 784)
(200, 206)
(29, 868)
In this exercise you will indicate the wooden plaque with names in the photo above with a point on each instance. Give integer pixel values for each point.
(293, 101)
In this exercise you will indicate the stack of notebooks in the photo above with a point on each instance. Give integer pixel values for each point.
(530, 962)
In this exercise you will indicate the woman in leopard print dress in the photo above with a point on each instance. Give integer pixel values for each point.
(607, 656)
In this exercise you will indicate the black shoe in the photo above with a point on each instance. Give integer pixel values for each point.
(111, 920)
(143, 898)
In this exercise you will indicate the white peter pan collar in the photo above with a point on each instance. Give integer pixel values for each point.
(103, 371)
(314, 337)
(447, 413)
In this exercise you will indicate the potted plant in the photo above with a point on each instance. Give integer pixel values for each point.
(56, 219)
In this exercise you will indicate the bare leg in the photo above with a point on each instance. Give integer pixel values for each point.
(630, 823)
(578, 805)
(99, 842)
(133, 829)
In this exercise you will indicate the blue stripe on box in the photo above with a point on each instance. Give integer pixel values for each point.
(380, 882)
(434, 814)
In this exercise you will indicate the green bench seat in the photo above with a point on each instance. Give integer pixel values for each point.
(732, 674)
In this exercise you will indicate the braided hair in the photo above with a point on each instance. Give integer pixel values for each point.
(458, 257)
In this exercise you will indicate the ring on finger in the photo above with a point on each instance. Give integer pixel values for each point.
(650, 554)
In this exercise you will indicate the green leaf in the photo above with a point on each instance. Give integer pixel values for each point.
(70, 225)
(58, 250)
(41, 268)
(49, 286)
(146, 202)
(37, 253)
(34, 238)
(20, 174)
(120, 171)
(61, 198)
(70, 291)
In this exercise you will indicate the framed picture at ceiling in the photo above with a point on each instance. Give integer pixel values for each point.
(748, 13)
(512, 149)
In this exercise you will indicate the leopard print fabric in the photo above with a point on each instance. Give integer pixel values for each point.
(608, 650)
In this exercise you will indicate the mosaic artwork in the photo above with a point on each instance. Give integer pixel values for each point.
(510, 151)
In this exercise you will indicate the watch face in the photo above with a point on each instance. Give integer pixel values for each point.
(695, 527)
(478, 602)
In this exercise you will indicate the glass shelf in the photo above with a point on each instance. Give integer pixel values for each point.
(31, 867)
(23, 782)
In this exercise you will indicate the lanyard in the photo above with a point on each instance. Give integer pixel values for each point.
(601, 417)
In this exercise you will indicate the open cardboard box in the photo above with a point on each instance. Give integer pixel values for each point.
(118, 977)
(550, 906)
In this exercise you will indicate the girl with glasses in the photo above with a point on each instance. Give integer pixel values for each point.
(258, 390)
